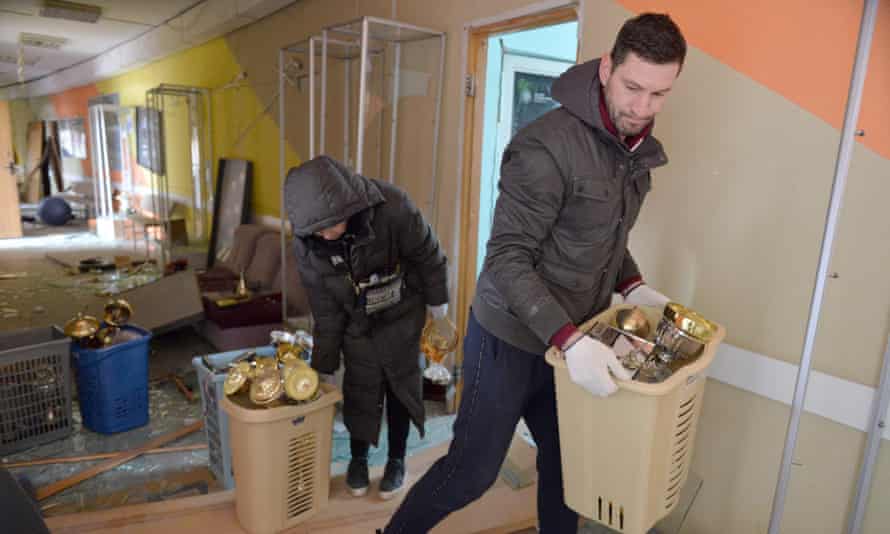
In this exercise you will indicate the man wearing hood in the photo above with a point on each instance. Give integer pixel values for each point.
(572, 183)
(372, 267)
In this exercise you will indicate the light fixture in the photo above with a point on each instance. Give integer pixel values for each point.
(59, 9)
(14, 60)
(41, 41)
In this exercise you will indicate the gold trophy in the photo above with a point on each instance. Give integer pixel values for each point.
(238, 378)
(437, 340)
(117, 312)
(82, 328)
(88, 332)
(266, 387)
(241, 291)
(682, 332)
(300, 380)
(284, 343)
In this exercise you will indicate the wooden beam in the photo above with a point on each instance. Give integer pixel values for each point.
(180, 385)
(124, 457)
(531, 21)
(99, 456)
(142, 517)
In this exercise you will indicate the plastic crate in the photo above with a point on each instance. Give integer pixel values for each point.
(35, 388)
(112, 383)
(282, 460)
(216, 421)
(626, 457)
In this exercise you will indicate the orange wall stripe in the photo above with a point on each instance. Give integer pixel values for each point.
(802, 49)
(72, 104)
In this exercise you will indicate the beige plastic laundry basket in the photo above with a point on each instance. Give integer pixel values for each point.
(626, 457)
(281, 458)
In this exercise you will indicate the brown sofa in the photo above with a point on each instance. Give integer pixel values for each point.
(257, 252)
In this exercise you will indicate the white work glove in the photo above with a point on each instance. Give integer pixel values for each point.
(590, 361)
(643, 295)
(439, 311)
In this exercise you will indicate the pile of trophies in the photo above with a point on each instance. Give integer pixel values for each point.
(680, 337)
(89, 333)
(282, 378)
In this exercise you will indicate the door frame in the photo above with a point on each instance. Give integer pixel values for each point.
(475, 43)
(10, 215)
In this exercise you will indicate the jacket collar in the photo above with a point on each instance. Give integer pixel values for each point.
(578, 91)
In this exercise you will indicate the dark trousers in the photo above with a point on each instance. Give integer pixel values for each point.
(501, 384)
(398, 424)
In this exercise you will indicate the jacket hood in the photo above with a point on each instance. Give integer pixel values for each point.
(322, 192)
(578, 90)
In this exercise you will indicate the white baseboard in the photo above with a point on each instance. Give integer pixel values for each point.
(845, 402)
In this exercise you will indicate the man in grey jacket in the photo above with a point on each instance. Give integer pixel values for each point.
(571, 187)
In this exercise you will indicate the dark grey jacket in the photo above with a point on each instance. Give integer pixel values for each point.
(385, 230)
(570, 192)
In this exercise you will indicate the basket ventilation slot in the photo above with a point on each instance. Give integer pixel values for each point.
(610, 513)
(679, 454)
(301, 461)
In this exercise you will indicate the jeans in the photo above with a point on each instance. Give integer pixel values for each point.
(501, 384)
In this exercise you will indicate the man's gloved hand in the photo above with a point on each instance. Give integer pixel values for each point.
(439, 311)
(326, 378)
(643, 295)
(590, 361)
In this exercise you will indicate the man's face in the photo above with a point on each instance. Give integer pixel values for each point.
(635, 91)
(332, 233)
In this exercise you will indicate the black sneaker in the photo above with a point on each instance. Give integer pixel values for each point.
(393, 478)
(357, 477)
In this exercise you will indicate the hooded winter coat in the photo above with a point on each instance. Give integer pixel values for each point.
(570, 192)
(386, 234)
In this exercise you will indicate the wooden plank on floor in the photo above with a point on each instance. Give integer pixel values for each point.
(122, 458)
(134, 518)
(499, 508)
(99, 456)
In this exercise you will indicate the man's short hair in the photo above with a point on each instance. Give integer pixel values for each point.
(653, 37)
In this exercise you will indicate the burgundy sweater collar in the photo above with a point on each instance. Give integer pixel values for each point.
(630, 142)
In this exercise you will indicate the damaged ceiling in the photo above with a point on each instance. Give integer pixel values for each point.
(47, 46)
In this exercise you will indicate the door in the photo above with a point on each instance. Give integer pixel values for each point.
(525, 93)
(10, 219)
(525, 83)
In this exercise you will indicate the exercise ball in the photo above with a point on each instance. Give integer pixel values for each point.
(54, 211)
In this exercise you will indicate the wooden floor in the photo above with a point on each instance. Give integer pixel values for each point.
(502, 510)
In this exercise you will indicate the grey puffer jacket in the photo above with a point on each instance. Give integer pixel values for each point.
(570, 192)
(385, 232)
